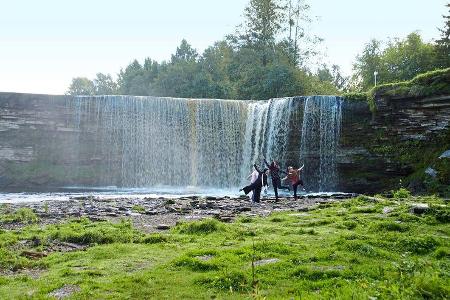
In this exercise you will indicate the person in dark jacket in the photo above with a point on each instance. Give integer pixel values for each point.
(275, 171)
(256, 186)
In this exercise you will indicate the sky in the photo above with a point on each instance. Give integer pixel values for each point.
(45, 43)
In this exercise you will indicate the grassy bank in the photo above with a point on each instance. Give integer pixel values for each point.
(356, 249)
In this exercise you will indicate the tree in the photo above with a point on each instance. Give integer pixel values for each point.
(443, 43)
(367, 63)
(400, 60)
(263, 19)
(81, 86)
(104, 85)
(132, 81)
(184, 53)
(333, 76)
(299, 44)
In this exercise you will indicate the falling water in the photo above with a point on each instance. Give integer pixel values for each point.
(266, 133)
(153, 141)
(150, 141)
(319, 142)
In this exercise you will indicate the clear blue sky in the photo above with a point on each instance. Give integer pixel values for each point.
(45, 43)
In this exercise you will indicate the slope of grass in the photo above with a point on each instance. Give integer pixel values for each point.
(343, 250)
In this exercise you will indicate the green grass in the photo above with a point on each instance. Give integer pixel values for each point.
(345, 250)
(22, 215)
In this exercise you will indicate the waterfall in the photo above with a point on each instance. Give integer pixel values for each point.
(266, 133)
(155, 141)
(320, 141)
(151, 141)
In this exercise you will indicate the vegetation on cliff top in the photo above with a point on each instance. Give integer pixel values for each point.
(270, 55)
(359, 248)
(433, 83)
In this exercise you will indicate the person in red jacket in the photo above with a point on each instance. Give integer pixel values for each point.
(294, 176)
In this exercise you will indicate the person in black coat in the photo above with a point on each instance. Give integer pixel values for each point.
(257, 185)
(275, 171)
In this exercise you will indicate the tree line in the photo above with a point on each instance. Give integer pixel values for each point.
(266, 57)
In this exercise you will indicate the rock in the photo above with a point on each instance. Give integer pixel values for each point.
(387, 210)
(204, 257)
(65, 291)
(162, 227)
(263, 262)
(430, 171)
(33, 255)
(225, 218)
(446, 154)
(243, 208)
(419, 208)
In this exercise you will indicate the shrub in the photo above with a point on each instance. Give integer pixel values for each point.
(22, 215)
(138, 209)
(418, 245)
(85, 232)
(442, 252)
(154, 239)
(390, 226)
(401, 193)
(195, 264)
(200, 227)
(441, 213)
(228, 281)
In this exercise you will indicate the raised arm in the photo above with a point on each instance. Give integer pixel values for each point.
(301, 168)
(256, 168)
(267, 164)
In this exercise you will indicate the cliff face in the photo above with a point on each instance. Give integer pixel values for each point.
(402, 137)
(39, 142)
(36, 142)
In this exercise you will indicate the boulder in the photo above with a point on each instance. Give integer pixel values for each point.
(446, 154)
(419, 208)
(431, 172)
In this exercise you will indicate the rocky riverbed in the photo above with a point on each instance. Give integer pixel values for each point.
(155, 214)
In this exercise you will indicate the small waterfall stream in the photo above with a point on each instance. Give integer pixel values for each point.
(154, 141)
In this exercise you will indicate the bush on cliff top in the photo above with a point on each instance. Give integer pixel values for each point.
(433, 83)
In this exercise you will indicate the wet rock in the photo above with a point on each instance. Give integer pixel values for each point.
(446, 154)
(243, 208)
(162, 227)
(431, 172)
(419, 208)
(65, 291)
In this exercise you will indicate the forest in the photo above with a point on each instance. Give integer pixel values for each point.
(269, 55)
